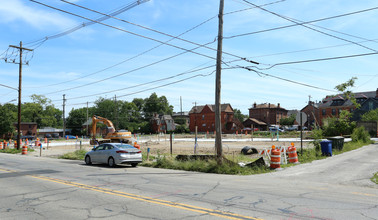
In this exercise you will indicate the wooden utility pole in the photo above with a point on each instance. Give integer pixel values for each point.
(64, 116)
(218, 124)
(19, 92)
(87, 120)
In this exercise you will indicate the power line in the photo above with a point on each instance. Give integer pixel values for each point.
(144, 52)
(297, 23)
(317, 60)
(301, 23)
(311, 49)
(138, 55)
(287, 80)
(39, 42)
(156, 87)
(150, 29)
(124, 73)
(123, 30)
(143, 84)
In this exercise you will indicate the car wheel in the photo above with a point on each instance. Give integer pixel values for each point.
(134, 164)
(111, 162)
(88, 160)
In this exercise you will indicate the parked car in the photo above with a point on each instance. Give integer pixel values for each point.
(114, 154)
(48, 136)
(29, 137)
(274, 129)
(55, 135)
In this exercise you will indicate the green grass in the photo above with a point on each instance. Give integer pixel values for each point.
(14, 151)
(76, 155)
(374, 179)
(209, 166)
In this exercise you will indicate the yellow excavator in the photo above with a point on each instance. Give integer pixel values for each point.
(112, 136)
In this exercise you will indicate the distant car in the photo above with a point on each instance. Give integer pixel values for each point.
(55, 135)
(114, 154)
(70, 137)
(29, 137)
(48, 136)
(274, 129)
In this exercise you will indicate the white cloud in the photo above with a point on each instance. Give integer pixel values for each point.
(15, 11)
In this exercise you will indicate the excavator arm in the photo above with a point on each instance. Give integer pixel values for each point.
(112, 135)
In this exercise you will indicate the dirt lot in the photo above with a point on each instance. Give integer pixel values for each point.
(181, 145)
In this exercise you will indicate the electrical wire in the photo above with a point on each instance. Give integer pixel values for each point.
(287, 80)
(301, 23)
(124, 73)
(123, 30)
(317, 60)
(115, 12)
(311, 49)
(156, 87)
(144, 52)
(143, 84)
(313, 29)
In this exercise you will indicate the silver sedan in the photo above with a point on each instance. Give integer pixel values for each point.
(114, 154)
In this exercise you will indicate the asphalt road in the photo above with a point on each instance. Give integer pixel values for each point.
(46, 188)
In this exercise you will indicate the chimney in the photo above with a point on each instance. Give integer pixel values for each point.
(278, 105)
(254, 105)
(269, 105)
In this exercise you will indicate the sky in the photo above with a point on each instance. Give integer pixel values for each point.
(169, 47)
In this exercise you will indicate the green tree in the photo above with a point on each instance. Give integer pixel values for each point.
(238, 114)
(8, 116)
(371, 115)
(288, 120)
(76, 119)
(155, 104)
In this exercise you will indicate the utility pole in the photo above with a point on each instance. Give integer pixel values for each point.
(64, 117)
(218, 123)
(87, 120)
(116, 112)
(19, 92)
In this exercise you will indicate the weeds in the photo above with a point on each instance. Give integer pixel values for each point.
(14, 151)
(76, 155)
(374, 179)
(209, 166)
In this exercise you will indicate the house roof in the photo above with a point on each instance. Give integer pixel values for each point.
(199, 108)
(266, 105)
(341, 100)
(256, 121)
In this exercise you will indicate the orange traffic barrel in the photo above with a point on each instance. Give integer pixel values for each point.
(293, 156)
(275, 159)
(24, 149)
(136, 145)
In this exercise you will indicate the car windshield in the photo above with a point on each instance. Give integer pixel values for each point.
(124, 146)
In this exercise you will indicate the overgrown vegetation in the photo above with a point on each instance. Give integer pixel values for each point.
(210, 166)
(76, 155)
(374, 179)
(14, 151)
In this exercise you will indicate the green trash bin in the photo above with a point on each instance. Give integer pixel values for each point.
(337, 142)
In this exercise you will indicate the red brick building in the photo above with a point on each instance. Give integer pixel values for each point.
(204, 118)
(331, 106)
(27, 128)
(268, 113)
(312, 111)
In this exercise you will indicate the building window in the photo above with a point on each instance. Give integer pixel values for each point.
(323, 112)
(203, 125)
(203, 117)
(339, 111)
(333, 111)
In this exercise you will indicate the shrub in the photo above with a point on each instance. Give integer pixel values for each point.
(360, 134)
